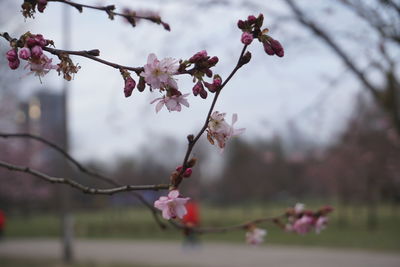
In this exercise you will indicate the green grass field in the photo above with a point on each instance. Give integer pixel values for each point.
(137, 223)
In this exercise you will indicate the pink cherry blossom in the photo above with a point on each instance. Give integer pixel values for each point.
(172, 206)
(220, 131)
(37, 51)
(173, 103)
(41, 66)
(158, 74)
(255, 236)
(303, 225)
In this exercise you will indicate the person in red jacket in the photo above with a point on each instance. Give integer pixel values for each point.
(191, 219)
(2, 223)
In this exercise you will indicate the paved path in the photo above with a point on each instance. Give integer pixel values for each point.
(210, 254)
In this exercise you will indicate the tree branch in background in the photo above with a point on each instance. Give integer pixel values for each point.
(387, 96)
(85, 170)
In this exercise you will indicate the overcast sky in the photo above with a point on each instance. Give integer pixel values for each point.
(266, 94)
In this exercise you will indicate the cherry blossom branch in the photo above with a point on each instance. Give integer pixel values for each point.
(193, 140)
(90, 54)
(93, 55)
(131, 16)
(74, 184)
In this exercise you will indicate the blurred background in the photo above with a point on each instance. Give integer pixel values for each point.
(322, 123)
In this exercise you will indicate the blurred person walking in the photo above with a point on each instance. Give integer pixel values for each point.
(190, 220)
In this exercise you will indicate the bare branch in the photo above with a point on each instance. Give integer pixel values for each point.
(109, 9)
(93, 55)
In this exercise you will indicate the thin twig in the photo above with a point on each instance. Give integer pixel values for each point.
(109, 9)
(93, 55)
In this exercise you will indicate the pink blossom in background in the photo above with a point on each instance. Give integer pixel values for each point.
(158, 74)
(172, 206)
(299, 208)
(220, 130)
(173, 103)
(320, 224)
(255, 236)
(303, 225)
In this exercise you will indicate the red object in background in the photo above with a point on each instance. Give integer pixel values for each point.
(192, 216)
(2, 220)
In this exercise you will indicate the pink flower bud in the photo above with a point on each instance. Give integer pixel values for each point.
(209, 73)
(268, 49)
(211, 87)
(13, 64)
(241, 24)
(187, 173)
(247, 38)
(37, 51)
(24, 53)
(11, 55)
(203, 94)
(179, 168)
(213, 61)
(277, 47)
(198, 56)
(129, 86)
(40, 40)
(197, 88)
(251, 19)
(30, 42)
(41, 5)
(217, 82)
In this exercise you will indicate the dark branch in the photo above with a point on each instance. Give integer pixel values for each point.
(109, 9)
(74, 184)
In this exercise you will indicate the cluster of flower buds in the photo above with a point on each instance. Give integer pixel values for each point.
(220, 131)
(29, 6)
(303, 221)
(252, 29)
(202, 64)
(32, 51)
